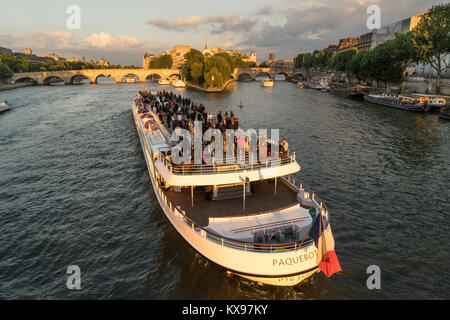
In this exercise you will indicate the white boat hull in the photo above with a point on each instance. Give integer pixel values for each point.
(285, 268)
(4, 108)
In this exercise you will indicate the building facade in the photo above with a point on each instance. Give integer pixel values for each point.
(249, 57)
(177, 53)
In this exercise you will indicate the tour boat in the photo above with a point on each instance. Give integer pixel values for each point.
(255, 220)
(435, 104)
(130, 79)
(4, 107)
(164, 82)
(178, 84)
(403, 103)
(267, 83)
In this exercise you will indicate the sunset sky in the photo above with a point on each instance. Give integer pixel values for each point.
(122, 31)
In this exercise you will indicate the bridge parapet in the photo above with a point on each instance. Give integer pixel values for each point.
(254, 72)
(68, 76)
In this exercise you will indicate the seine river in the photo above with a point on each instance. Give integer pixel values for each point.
(74, 190)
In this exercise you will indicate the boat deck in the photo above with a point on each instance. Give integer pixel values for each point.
(262, 200)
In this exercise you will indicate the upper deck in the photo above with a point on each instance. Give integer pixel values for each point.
(157, 139)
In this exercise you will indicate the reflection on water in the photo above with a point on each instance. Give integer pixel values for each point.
(75, 190)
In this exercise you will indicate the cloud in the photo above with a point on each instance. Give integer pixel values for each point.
(122, 48)
(265, 11)
(105, 40)
(229, 45)
(220, 23)
(55, 40)
(180, 24)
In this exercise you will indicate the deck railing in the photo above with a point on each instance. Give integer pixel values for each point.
(219, 168)
(233, 243)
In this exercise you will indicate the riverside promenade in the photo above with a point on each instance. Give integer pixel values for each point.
(4, 87)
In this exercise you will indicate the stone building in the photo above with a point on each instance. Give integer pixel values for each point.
(281, 63)
(55, 57)
(103, 62)
(177, 53)
(249, 57)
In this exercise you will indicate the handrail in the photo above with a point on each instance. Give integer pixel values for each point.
(219, 168)
(233, 243)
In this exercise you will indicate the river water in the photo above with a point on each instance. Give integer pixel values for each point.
(74, 190)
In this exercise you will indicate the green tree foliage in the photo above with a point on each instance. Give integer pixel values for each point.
(216, 64)
(213, 71)
(162, 62)
(5, 71)
(194, 66)
(339, 60)
(354, 65)
(15, 64)
(431, 38)
(19, 64)
(214, 78)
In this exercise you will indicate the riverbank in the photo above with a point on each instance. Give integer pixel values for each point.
(4, 87)
(209, 90)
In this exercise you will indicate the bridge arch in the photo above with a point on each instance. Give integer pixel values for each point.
(26, 79)
(104, 76)
(78, 76)
(175, 76)
(286, 76)
(134, 75)
(244, 76)
(51, 79)
(153, 77)
(262, 73)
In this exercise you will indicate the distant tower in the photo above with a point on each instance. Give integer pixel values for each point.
(206, 44)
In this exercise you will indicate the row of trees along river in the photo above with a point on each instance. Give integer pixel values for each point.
(10, 64)
(428, 42)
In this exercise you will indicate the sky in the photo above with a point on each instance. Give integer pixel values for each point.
(122, 31)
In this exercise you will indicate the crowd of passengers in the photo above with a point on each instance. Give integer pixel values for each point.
(175, 111)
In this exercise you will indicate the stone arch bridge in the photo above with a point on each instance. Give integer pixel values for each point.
(271, 72)
(69, 76)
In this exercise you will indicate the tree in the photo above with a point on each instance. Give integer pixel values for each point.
(15, 64)
(5, 71)
(217, 65)
(404, 52)
(214, 78)
(194, 66)
(162, 62)
(431, 37)
(353, 66)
